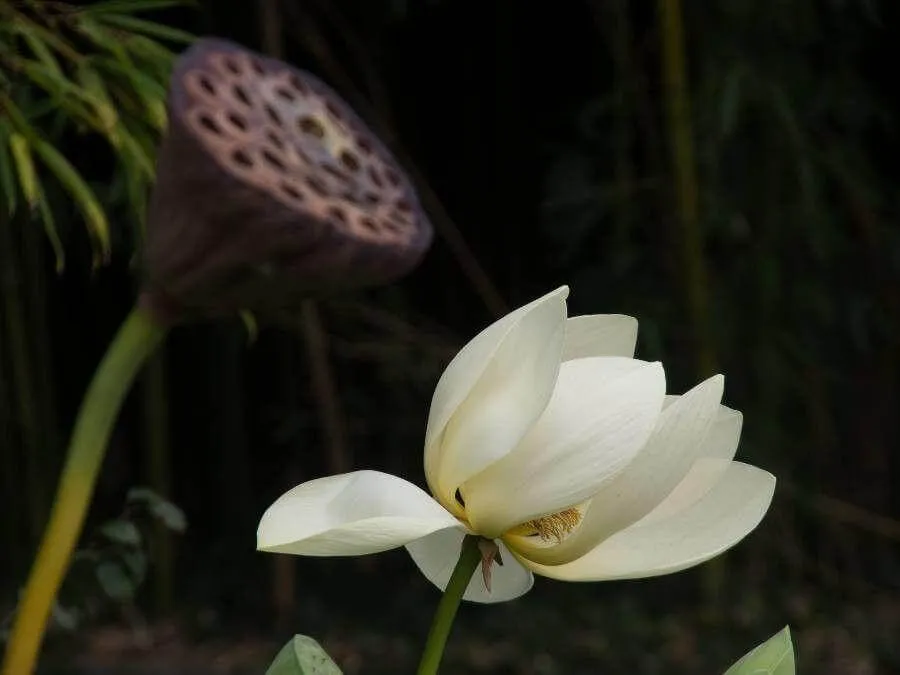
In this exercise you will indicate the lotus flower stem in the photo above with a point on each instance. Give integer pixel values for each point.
(136, 340)
(469, 557)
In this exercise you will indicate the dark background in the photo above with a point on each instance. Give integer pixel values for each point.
(542, 129)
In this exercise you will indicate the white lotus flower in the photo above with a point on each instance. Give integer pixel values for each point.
(546, 436)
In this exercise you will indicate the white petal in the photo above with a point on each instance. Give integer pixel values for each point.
(492, 392)
(602, 412)
(600, 335)
(716, 454)
(670, 452)
(710, 526)
(436, 556)
(350, 514)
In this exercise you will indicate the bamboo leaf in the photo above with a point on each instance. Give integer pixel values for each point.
(28, 180)
(104, 39)
(151, 92)
(92, 83)
(40, 49)
(84, 196)
(49, 223)
(23, 24)
(8, 183)
(151, 52)
(150, 28)
(68, 95)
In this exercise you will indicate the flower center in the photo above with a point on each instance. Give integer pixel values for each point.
(554, 527)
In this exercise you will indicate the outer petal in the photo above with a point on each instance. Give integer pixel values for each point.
(350, 514)
(436, 556)
(710, 526)
(715, 457)
(600, 335)
(670, 452)
(492, 392)
(601, 414)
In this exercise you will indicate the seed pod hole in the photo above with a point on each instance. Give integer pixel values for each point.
(286, 94)
(337, 214)
(232, 66)
(337, 173)
(298, 84)
(207, 85)
(349, 160)
(242, 158)
(373, 174)
(292, 191)
(210, 124)
(272, 160)
(273, 115)
(317, 186)
(241, 95)
(310, 125)
(334, 110)
(237, 121)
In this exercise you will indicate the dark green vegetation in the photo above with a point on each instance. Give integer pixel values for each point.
(752, 229)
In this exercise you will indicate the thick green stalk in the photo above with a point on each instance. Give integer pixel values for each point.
(469, 558)
(138, 337)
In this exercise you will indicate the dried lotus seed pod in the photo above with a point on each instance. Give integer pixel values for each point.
(270, 189)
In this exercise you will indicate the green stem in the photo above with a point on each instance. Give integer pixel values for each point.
(139, 335)
(469, 558)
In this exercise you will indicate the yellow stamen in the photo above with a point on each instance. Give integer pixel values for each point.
(556, 526)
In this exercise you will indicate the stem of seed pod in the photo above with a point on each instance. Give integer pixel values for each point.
(136, 340)
(469, 557)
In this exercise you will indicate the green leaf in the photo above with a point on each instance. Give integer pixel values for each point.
(103, 105)
(40, 49)
(161, 508)
(94, 215)
(151, 92)
(8, 183)
(121, 532)
(136, 562)
(28, 180)
(49, 223)
(303, 656)
(151, 28)
(775, 656)
(67, 94)
(114, 581)
(104, 38)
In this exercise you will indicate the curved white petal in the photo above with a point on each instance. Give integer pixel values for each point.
(600, 335)
(350, 514)
(492, 392)
(710, 526)
(436, 556)
(602, 412)
(670, 452)
(716, 454)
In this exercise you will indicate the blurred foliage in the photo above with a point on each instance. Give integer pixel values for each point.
(96, 69)
(112, 566)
